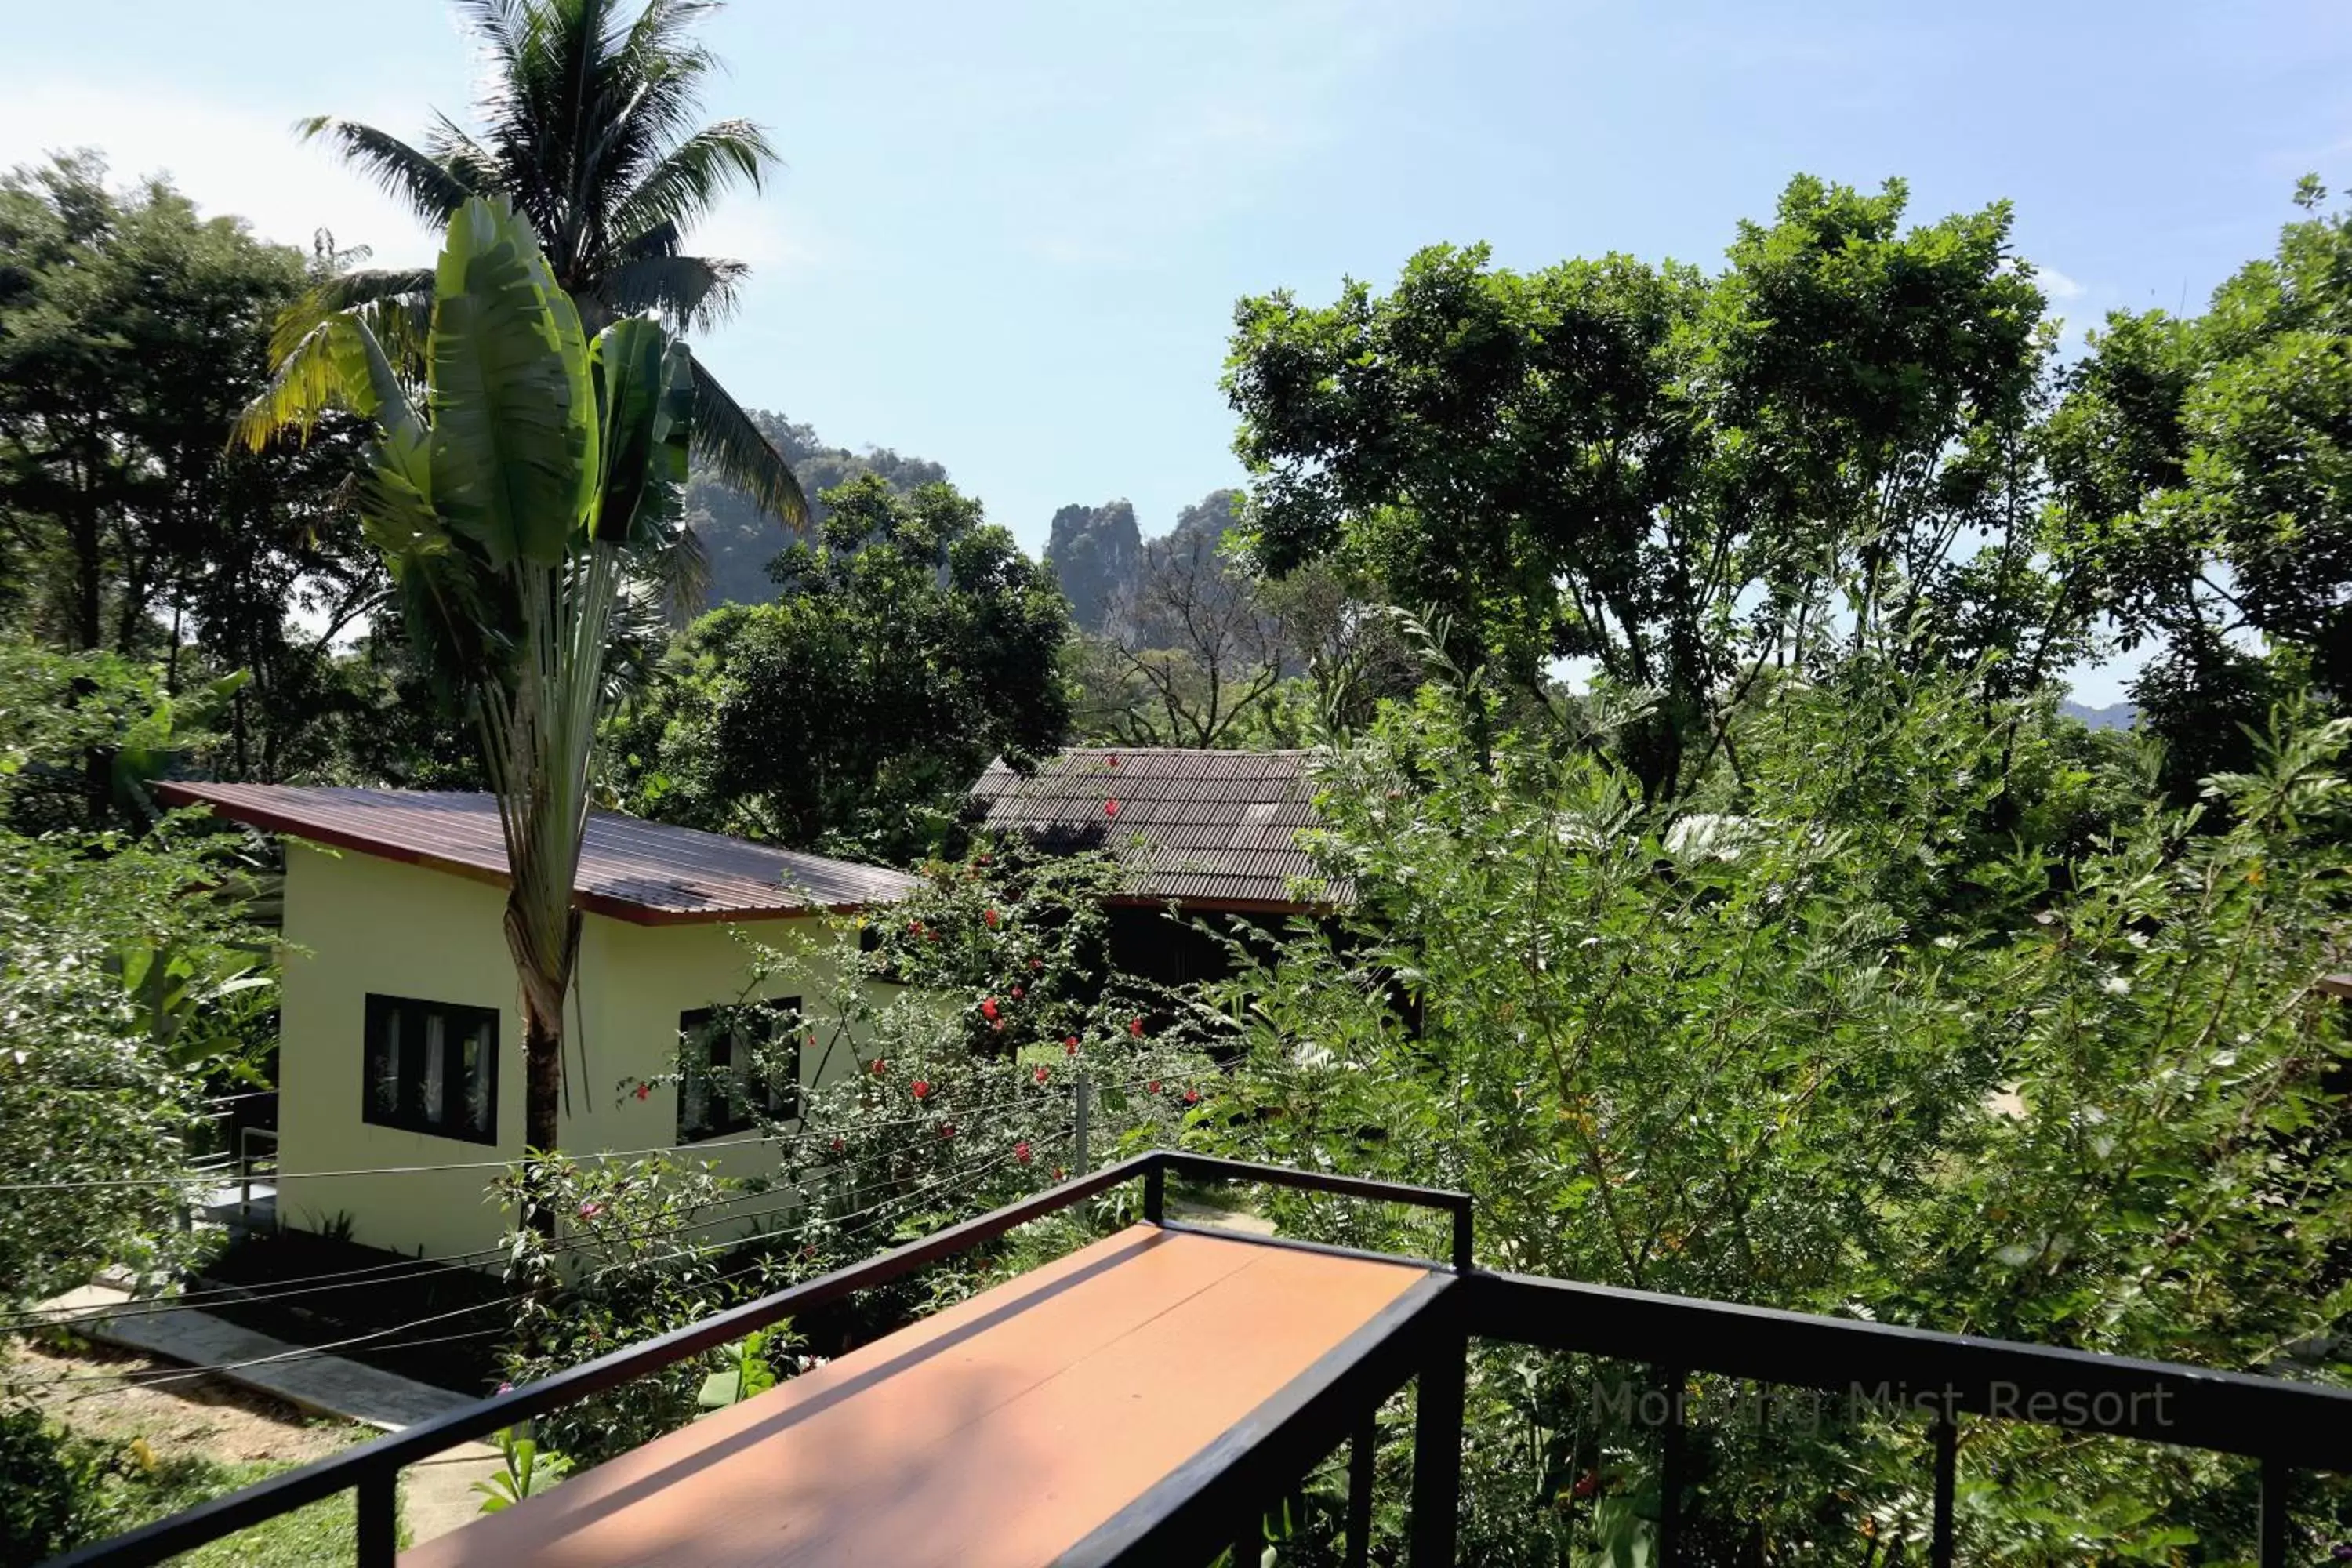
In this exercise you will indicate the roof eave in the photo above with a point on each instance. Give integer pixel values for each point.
(606, 904)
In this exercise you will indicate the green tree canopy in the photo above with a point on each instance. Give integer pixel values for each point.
(1639, 465)
(2205, 475)
(912, 644)
(132, 331)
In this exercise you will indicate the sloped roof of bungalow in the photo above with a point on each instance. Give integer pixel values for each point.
(646, 873)
(1211, 829)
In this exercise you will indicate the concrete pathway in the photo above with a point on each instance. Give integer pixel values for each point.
(437, 1494)
(327, 1383)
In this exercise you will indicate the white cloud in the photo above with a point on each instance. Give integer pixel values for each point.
(765, 231)
(2055, 285)
(229, 159)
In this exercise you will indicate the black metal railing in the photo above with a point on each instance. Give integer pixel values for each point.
(373, 1468)
(1218, 1497)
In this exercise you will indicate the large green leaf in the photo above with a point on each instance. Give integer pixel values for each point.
(514, 439)
(628, 362)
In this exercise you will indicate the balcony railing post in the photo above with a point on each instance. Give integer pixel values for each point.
(1948, 1445)
(2274, 1525)
(1437, 1449)
(1364, 1452)
(379, 1517)
(1155, 1192)
(1671, 1379)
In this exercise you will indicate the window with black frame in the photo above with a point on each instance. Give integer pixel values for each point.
(733, 1076)
(432, 1068)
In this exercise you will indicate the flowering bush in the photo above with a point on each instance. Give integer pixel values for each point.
(974, 1009)
(634, 1249)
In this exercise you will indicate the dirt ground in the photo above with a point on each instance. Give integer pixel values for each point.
(196, 1414)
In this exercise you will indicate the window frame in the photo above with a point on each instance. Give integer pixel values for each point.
(459, 1020)
(782, 1106)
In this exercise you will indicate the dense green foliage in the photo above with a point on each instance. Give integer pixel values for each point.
(59, 1490)
(130, 981)
(1667, 474)
(912, 614)
(131, 333)
(1943, 1023)
(2206, 470)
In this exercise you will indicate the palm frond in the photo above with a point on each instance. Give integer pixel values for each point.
(690, 293)
(453, 147)
(349, 291)
(726, 440)
(682, 187)
(402, 172)
(338, 363)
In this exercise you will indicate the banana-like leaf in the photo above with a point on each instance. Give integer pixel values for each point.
(338, 363)
(627, 363)
(514, 438)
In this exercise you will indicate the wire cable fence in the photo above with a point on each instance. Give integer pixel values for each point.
(963, 1181)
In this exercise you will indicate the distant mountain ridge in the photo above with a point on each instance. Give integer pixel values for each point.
(1099, 552)
(2114, 716)
(740, 540)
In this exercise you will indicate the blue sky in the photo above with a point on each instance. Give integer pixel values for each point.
(1010, 235)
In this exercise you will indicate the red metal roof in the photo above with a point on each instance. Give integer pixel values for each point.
(647, 873)
(1214, 829)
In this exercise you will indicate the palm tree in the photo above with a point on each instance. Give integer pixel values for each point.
(539, 470)
(587, 129)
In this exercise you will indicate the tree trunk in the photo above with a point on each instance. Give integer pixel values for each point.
(543, 1066)
(543, 1076)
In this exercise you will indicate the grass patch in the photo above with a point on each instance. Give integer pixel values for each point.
(315, 1536)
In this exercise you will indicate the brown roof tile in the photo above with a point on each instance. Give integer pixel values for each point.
(647, 873)
(1218, 829)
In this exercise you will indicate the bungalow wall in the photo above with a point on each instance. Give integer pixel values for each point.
(359, 925)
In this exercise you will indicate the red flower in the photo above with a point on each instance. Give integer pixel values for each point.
(1110, 809)
(1151, 1087)
(1041, 1075)
(1135, 1027)
(988, 1006)
(1016, 994)
(1070, 1046)
(643, 1089)
(1036, 964)
(880, 1067)
(1111, 760)
(922, 1087)
(947, 1128)
(1192, 1097)
(998, 1025)
(591, 1209)
(930, 936)
(838, 1146)
(1587, 1483)
(990, 917)
(1021, 1151)
(914, 928)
